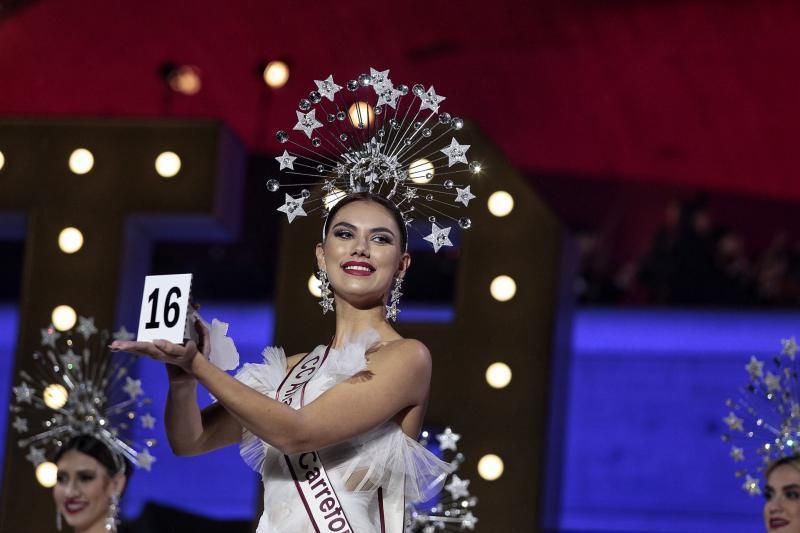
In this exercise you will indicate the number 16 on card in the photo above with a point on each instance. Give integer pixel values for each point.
(165, 306)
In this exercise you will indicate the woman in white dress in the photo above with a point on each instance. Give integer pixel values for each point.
(332, 431)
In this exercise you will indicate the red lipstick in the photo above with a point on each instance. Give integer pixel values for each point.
(775, 523)
(72, 506)
(358, 268)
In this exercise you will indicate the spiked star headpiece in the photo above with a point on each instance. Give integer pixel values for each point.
(453, 509)
(374, 136)
(763, 422)
(77, 387)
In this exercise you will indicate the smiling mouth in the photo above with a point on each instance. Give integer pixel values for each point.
(775, 523)
(75, 507)
(358, 269)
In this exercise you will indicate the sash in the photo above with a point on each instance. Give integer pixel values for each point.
(310, 478)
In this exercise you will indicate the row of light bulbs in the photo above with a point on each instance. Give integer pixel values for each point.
(81, 161)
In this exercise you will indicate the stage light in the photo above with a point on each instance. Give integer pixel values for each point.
(498, 375)
(2, 160)
(313, 286)
(500, 203)
(55, 396)
(183, 79)
(276, 74)
(421, 171)
(63, 317)
(168, 164)
(81, 161)
(361, 115)
(490, 467)
(503, 288)
(70, 240)
(47, 474)
(332, 198)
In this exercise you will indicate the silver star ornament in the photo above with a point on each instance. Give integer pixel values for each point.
(50, 336)
(293, 207)
(307, 122)
(448, 440)
(737, 454)
(380, 79)
(469, 521)
(35, 455)
(464, 195)
(751, 486)
(789, 347)
(388, 96)
(133, 387)
(755, 368)
(392, 311)
(286, 160)
(23, 393)
(327, 87)
(86, 327)
(458, 487)
(122, 334)
(145, 459)
(431, 100)
(148, 421)
(327, 305)
(773, 382)
(71, 359)
(456, 153)
(20, 424)
(733, 422)
(439, 237)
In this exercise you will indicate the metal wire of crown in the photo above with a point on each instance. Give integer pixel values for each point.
(79, 388)
(763, 423)
(374, 136)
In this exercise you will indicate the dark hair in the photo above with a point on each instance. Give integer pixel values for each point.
(369, 197)
(791, 460)
(99, 451)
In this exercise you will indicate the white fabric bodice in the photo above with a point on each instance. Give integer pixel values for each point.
(384, 457)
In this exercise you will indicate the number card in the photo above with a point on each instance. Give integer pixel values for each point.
(165, 304)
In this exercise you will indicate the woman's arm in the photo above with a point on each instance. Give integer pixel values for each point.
(398, 377)
(191, 431)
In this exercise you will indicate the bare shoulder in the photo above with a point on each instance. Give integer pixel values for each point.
(408, 351)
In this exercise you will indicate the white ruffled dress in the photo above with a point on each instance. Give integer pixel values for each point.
(384, 457)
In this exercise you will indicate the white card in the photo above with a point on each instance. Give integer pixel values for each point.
(165, 302)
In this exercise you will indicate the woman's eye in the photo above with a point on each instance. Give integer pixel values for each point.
(61, 478)
(86, 477)
(343, 234)
(383, 239)
(793, 494)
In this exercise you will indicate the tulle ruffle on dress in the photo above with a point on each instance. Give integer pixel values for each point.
(384, 457)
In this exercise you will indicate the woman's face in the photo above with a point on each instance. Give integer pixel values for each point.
(362, 253)
(84, 489)
(782, 508)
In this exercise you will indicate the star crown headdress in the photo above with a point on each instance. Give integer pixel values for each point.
(78, 388)
(377, 137)
(763, 422)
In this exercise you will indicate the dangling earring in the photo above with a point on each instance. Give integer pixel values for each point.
(58, 520)
(394, 299)
(113, 513)
(325, 292)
